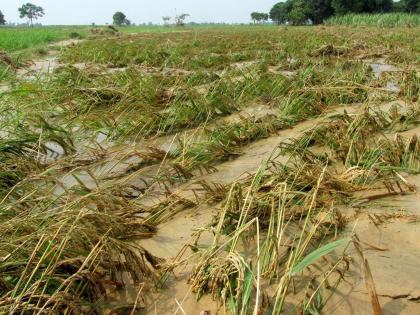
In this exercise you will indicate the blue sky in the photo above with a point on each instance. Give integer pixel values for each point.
(140, 11)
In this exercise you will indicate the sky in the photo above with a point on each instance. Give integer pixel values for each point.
(74, 12)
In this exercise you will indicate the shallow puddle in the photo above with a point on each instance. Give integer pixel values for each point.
(389, 228)
(38, 68)
(392, 87)
(380, 66)
(4, 88)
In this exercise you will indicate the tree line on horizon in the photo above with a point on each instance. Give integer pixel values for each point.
(298, 12)
(120, 19)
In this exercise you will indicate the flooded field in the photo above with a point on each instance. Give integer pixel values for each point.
(217, 171)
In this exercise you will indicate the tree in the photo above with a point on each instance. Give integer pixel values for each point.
(265, 17)
(166, 20)
(31, 12)
(299, 13)
(280, 12)
(254, 16)
(372, 6)
(409, 6)
(180, 19)
(319, 10)
(2, 20)
(342, 7)
(398, 6)
(259, 17)
(120, 18)
(364, 6)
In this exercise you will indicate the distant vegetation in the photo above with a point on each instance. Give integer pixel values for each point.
(381, 20)
(2, 20)
(180, 19)
(166, 20)
(298, 12)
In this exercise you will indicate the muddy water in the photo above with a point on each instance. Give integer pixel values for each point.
(255, 111)
(278, 70)
(395, 267)
(4, 88)
(171, 238)
(47, 65)
(380, 66)
(118, 159)
(177, 297)
(121, 157)
(393, 87)
(260, 151)
(411, 133)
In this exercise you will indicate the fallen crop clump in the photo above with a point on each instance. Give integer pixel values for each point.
(6, 59)
(62, 253)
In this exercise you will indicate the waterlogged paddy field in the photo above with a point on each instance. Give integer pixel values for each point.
(237, 171)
